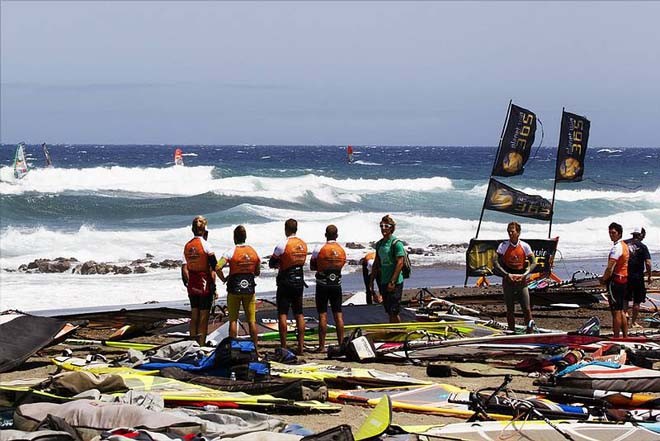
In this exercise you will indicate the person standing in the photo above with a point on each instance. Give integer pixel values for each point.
(639, 259)
(615, 278)
(367, 263)
(515, 260)
(328, 260)
(289, 258)
(197, 275)
(387, 267)
(244, 265)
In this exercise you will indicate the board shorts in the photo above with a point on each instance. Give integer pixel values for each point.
(289, 297)
(617, 295)
(391, 299)
(201, 302)
(325, 294)
(515, 292)
(249, 302)
(636, 290)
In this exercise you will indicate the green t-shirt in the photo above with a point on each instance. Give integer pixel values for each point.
(387, 264)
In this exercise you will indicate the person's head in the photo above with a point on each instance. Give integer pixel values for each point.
(638, 233)
(331, 232)
(616, 231)
(387, 225)
(240, 235)
(513, 230)
(199, 225)
(290, 227)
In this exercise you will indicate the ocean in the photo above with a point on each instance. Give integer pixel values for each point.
(116, 203)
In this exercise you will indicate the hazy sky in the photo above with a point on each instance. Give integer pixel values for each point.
(386, 73)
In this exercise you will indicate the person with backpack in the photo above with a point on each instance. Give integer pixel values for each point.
(639, 259)
(388, 270)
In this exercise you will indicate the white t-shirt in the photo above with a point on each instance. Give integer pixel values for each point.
(617, 250)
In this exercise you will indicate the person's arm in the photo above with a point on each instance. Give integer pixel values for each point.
(607, 275)
(498, 266)
(531, 264)
(395, 275)
(185, 275)
(648, 270)
(219, 269)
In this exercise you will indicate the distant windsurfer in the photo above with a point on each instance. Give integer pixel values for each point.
(49, 163)
(178, 157)
(328, 260)
(197, 275)
(514, 261)
(349, 153)
(615, 278)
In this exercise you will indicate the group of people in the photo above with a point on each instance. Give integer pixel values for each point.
(202, 268)
(627, 262)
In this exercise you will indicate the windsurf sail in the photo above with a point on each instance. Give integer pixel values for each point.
(349, 153)
(20, 164)
(49, 163)
(178, 157)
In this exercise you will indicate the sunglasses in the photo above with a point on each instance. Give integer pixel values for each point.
(386, 225)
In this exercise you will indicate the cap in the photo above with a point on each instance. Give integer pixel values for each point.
(637, 230)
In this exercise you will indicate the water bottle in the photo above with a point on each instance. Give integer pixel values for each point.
(232, 376)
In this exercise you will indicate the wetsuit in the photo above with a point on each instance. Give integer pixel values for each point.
(637, 257)
(328, 261)
(367, 266)
(243, 263)
(290, 257)
(199, 259)
(513, 259)
(617, 284)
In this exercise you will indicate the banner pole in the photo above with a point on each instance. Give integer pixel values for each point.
(497, 154)
(554, 187)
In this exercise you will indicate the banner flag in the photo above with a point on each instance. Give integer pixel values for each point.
(516, 143)
(501, 197)
(480, 253)
(573, 140)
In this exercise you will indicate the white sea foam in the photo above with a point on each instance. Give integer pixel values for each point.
(361, 162)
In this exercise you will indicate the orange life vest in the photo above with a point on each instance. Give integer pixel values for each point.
(621, 265)
(245, 260)
(514, 258)
(368, 257)
(331, 257)
(196, 257)
(295, 254)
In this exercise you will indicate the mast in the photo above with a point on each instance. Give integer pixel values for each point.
(497, 154)
(554, 186)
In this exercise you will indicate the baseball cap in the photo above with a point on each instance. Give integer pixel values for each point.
(637, 230)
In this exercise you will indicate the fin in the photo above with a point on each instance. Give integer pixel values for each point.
(590, 327)
(378, 420)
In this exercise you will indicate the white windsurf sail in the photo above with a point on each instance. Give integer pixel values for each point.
(20, 164)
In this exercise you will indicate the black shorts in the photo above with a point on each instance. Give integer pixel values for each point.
(617, 296)
(391, 299)
(201, 302)
(325, 294)
(636, 290)
(288, 296)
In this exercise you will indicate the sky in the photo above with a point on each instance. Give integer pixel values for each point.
(364, 73)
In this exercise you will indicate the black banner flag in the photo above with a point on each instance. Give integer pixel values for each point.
(501, 197)
(573, 140)
(516, 143)
(480, 253)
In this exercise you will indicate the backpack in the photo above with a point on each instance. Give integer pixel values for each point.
(407, 267)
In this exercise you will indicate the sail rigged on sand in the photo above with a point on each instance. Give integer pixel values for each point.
(20, 164)
(49, 162)
(178, 157)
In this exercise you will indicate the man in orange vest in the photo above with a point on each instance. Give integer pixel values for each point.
(514, 260)
(197, 275)
(244, 265)
(616, 279)
(327, 261)
(289, 257)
